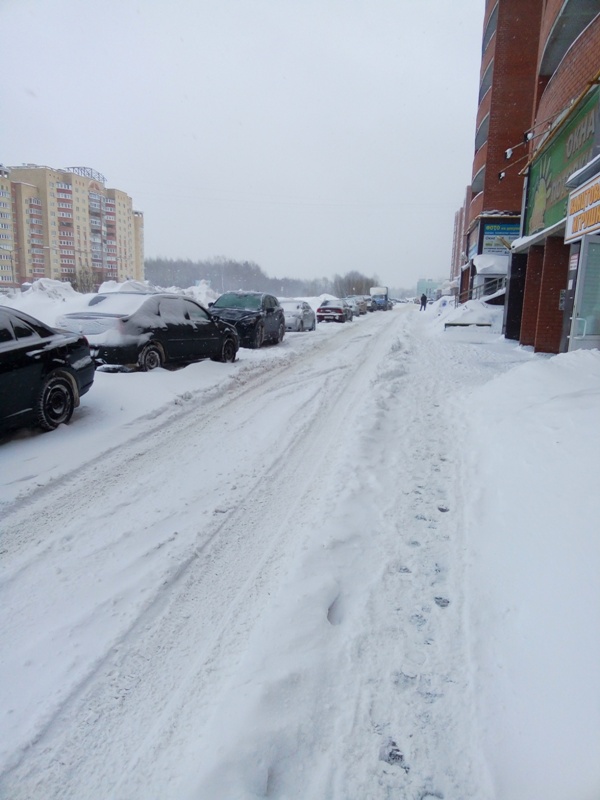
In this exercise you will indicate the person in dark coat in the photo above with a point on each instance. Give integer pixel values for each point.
(423, 302)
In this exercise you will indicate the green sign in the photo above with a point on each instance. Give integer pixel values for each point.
(569, 150)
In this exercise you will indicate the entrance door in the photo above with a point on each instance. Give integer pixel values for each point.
(585, 328)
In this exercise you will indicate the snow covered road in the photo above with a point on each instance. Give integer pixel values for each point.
(258, 593)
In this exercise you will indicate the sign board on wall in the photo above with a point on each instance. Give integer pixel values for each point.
(568, 150)
(497, 237)
(583, 211)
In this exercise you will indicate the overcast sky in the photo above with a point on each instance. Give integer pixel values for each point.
(310, 136)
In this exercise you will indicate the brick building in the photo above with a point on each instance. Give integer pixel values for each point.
(553, 291)
(491, 212)
(537, 141)
(65, 224)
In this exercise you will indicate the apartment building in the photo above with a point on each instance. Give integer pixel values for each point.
(490, 217)
(532, 220)
(65, 224)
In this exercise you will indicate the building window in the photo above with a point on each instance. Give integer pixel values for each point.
(482, 133)
(478, 182)
(486, 81)
(490, 28)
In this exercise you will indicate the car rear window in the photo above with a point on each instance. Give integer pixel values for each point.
(117, 303)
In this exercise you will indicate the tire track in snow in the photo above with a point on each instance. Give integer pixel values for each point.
(117, 675)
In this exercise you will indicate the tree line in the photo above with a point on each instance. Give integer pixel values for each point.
(225, 274)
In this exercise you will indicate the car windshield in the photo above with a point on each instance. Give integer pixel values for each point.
(235, 300)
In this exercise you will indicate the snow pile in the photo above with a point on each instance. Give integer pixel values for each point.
(534, 550)
(47, 300)
(472, 312)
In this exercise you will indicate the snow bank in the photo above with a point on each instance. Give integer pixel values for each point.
(535, 595)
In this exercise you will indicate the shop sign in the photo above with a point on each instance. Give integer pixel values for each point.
(567, 152)
(497, 237)
(583, 210)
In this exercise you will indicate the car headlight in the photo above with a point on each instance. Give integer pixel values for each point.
(248, 322)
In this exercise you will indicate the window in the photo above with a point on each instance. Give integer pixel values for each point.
(486, 81)
(195, 313)
(482, 133)
(478, 182)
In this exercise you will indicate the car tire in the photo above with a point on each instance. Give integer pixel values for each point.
(56, 401)
(280, 333)
(228, 351)
(301, 326)
(151, 357)
(259, 337)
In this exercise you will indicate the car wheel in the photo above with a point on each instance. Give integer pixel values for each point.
(150, 358)
(280, 333)
(56, 402)
(259, 337)
(301, 326)
(228, 351)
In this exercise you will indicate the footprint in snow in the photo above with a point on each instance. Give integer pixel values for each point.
(442, 602)
(390, 753)
(443, 509)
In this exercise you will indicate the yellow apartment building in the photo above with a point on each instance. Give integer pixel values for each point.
(65, 224)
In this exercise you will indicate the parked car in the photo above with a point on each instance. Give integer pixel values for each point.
(362, 303)
(149, 330)
(257, 317)
(354, 307)
(299, 316)
(370, 303)
(43, 372)
(334, 310)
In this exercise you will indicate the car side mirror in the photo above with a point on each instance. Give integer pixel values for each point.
(211, 304)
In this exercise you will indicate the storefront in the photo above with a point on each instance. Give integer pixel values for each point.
(554, 276)
(582, 233)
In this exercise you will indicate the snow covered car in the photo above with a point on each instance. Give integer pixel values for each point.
(258, 317)
(334, 310)
(299, 316)
(43, 372)
(149, 330)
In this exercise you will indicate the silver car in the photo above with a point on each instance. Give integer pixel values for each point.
(299, 316)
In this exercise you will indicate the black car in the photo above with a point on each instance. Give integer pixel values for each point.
(147, 331)
(43, 372)
(257, 317)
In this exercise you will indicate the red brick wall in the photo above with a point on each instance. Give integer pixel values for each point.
(513, 90)
(579, 66)
(531, 296)
(554, 278)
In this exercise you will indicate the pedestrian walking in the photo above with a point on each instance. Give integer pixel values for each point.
(423, 302)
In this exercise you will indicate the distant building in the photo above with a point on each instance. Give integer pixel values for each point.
(429, 287)
(65, 224)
